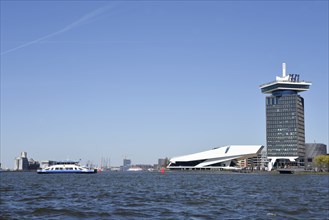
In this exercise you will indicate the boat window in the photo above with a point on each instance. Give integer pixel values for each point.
(61, 168)
(56, 168)
(80, 169)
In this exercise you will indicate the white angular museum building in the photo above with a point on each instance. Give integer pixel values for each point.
(221, 158)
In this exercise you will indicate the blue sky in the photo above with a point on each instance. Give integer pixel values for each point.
(152, 79)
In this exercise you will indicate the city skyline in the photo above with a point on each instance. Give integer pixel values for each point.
(148, 80)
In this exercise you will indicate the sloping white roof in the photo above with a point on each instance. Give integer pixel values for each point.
(230, 151)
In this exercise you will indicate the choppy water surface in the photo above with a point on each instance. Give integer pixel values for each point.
(173, 195)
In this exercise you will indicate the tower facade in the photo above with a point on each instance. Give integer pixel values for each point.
(21, 163)
(285, 126)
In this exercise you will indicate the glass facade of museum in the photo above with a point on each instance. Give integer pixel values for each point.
(285, 125)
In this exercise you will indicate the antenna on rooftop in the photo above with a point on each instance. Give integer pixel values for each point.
(283, 70)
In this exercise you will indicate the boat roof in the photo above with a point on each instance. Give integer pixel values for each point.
(67, 162)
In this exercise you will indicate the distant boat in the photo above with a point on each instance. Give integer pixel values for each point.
(66, 167)
(135, 169)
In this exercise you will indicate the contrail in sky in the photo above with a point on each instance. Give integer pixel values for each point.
(81, 21)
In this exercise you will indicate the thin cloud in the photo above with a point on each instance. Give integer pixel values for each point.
(90, 17)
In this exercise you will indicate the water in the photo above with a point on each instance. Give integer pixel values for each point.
(173, 195)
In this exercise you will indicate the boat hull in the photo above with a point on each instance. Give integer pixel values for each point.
(67, 171)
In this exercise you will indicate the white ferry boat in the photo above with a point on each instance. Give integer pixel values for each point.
(66, 167)
(135, 169)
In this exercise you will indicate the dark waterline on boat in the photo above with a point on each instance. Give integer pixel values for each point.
(173, 195)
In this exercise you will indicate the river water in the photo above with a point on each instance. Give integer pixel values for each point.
(173, 195)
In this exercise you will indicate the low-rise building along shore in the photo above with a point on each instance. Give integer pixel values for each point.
(221, 158)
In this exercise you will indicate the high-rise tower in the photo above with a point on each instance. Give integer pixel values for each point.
(285, 129)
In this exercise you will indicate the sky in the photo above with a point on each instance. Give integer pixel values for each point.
(152, 79)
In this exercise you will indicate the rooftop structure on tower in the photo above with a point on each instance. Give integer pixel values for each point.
(289, 82)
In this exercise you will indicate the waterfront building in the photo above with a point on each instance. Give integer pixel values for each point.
(313, 150)
(285, 126)
(243, 163)
(126, 164)
(251, 163)
(162, 162)
(219, 158)
(33, 165)
(21, 162)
